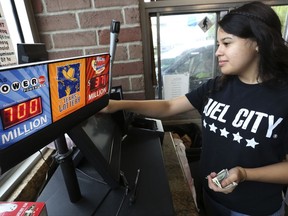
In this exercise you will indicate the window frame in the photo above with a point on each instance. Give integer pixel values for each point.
(12, 11)
(170, 7)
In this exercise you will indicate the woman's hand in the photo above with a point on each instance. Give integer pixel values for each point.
(236, 175)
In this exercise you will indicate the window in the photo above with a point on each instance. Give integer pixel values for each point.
(184, 52)
(179, 42)
(282, 12)
(11, 27)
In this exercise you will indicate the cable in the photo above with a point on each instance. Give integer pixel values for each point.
(47, 172)
(97, 180)
(122, 201)
(42, 156)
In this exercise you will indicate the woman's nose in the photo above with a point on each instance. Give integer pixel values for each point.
(218, 51)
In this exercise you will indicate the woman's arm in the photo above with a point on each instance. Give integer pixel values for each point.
(275, 173)
(151, 108)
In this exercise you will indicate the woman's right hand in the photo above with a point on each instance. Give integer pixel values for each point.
(110, 108)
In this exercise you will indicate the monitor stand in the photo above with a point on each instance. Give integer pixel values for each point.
(62, 194)
(64, 159)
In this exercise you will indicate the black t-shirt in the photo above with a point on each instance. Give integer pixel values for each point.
(243, 125)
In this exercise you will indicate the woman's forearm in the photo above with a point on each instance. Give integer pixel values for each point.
(275, 173)
(151, 108)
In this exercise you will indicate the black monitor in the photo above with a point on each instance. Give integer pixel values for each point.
(99, 139)
(28, 52)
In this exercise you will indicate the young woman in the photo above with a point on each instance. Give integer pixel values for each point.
(244, 115)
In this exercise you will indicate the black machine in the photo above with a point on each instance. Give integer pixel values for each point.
(28, 53)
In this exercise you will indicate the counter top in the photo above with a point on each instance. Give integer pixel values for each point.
(182, 195)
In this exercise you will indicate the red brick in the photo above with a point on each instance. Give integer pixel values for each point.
(125, 35)
(132, 15)
(124, 82)
(65, 54)
(135, 51)
(99, 18)
(104, 37)
(97, 50)
(130, 35)
(45, 38)
(129, 68)
(66, 5)
(74, 39)
(134, 96)
(137, 83)
(37, 6)
(113, 3)
(56, 22)
(93, 27)
(121, 53)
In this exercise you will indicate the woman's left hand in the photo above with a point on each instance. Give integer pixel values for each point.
(236, 175)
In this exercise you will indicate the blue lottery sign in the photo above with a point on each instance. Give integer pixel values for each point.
(24, 103)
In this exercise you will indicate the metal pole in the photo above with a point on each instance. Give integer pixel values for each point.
(68, 170)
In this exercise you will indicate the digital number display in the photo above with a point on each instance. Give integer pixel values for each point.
(98, 82)
(21, 112)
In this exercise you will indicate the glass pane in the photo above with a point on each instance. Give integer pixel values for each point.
(282, 12)
(187, 47)
(9, 35)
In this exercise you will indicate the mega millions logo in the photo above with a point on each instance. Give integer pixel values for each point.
(98, 65)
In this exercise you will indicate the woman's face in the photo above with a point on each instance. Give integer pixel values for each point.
(237, 56)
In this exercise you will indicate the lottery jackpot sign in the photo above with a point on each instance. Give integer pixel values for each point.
(35, 96)
(25, 103)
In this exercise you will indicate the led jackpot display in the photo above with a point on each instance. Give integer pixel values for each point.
(21, 112)
(24, 103)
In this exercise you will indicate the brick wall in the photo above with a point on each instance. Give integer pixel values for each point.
(80, 27)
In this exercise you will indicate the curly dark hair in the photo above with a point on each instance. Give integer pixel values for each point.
(259, 22)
